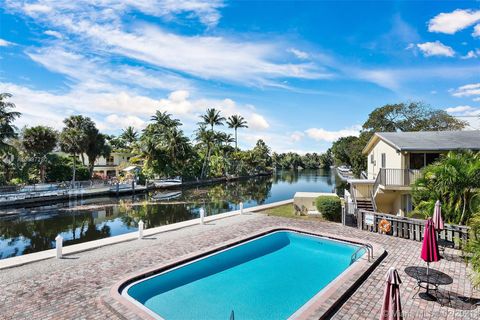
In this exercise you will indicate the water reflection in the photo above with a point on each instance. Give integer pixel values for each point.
(27, 230)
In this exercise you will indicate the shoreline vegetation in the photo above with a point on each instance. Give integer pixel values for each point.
(41, 154)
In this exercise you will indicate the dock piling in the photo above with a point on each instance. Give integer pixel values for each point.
(141, 224)
(59, 245)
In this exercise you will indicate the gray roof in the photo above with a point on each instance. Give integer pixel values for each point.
(432, 140)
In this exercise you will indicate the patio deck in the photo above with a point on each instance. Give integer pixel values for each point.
(78, 286)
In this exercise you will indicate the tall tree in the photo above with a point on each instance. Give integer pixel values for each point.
(205, 139)
(38, 142)
(71, 142)
(97, 147)
(412, 116)
(212, 118)
(7, 117)
(236, 122)
(90, 142)
(129, 135)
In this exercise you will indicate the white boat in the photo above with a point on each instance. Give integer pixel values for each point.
(166, 195)
(167, 182)
(344, 169)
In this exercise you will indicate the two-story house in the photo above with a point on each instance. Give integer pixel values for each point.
(394, 163)
(109, 167)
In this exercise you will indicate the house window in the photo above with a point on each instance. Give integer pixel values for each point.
(431, 157)
(384, 160)
(417, 160)
(371, 158)
(110, 161)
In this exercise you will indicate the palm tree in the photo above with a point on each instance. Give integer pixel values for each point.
(177, 146)
(97, 147)
(212, 118)
(454, 180)
(206, 139)
(71, 142)
(165, 119)
(7, 117)
(235, 122)
(38, 142)
(129, 135)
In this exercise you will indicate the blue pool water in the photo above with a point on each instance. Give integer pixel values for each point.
(268, 278)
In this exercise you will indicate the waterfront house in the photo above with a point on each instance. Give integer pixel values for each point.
(111, 166)
(394, 163)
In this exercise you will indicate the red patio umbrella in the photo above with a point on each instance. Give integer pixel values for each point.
(429, 246)
(437, 217)
(392, 307)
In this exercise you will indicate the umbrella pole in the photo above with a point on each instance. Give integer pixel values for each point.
(428, 282)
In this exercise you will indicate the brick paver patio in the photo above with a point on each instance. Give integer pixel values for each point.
(78, 286)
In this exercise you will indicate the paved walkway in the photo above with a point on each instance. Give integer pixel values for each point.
(73, 288)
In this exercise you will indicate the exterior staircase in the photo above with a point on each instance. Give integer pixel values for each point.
(365, 204)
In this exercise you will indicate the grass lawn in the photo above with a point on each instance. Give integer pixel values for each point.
(287, 211)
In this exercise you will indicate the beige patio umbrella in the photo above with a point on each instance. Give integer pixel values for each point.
(392, 307)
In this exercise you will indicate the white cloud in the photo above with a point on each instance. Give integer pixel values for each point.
(454, 21)
(467, 113)
(384, 78)
(459, 109)
(123, 121)
(476, 31)
(54, 33)
(299, 53)
(435, 49)
(470, 55)
(97, 26)
(297, 136)
(321, 134)
(97, 74)
(467, 90)
(113, 109)
(37, 8)
(5, 43)
(258, 122)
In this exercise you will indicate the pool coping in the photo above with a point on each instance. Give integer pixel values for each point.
(322, 306)
(129, 236)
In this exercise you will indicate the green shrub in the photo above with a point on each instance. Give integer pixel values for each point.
(330, 207)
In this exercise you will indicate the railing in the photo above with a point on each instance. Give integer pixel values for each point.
(412, 229)
(368, 250)
(372, 198)
(398, 177)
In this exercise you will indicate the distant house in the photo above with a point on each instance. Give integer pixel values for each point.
(394, 163)
(111, 166)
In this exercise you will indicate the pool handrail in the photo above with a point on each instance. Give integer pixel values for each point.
(368, 249)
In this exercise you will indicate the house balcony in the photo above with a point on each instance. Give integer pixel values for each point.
(395, 179)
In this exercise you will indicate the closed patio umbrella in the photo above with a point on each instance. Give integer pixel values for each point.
(437, 217)
(392, 307)
(429, 246)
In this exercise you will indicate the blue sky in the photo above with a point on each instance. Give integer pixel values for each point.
(303, 73)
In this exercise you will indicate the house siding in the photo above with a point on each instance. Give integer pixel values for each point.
(394, 159)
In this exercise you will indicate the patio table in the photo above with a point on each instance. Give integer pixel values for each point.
(434, 278)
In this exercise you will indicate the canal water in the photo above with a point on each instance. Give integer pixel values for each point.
(33, 229)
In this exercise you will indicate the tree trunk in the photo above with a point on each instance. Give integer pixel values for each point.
(464, 207)
(91, 164)
(236, 146)
(204, 167)
(42, 172)
(74, 168)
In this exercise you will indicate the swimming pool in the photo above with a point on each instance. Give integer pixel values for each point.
(270, 277)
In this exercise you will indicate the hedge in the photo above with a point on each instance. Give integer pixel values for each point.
(330, 207)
